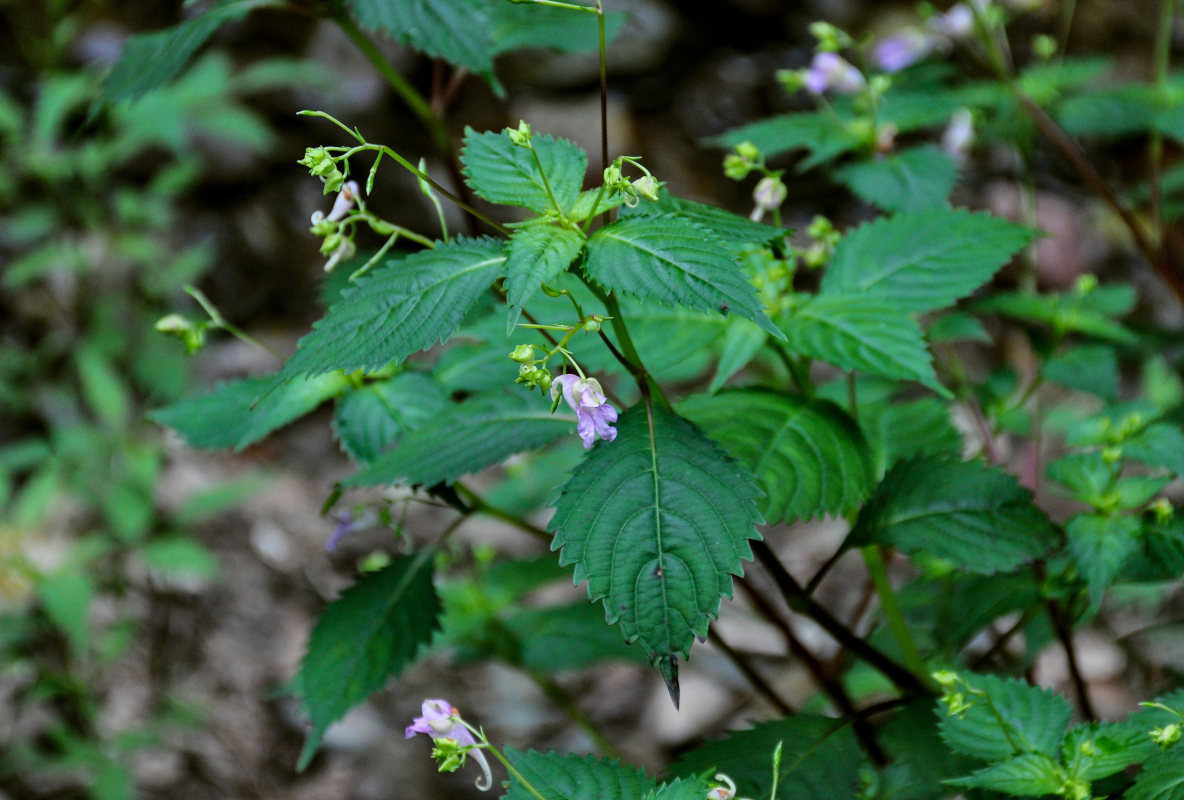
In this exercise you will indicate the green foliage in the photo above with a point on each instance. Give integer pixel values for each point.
(365, 637)
(809, 456)
(674, 262)
(463, 438)
(657, 524)
(369, 420)
(1089, 313)
(1027, 775)
(861, 332)
(392, 312)
(536, 254)
(918, 179)
(1101, 545)
(566, 777)
(1162, 778)
(502, 172)
(1007, 718)
(736, 232)
(819, 758)
(973, 515)
(923, 261)
(239, 413)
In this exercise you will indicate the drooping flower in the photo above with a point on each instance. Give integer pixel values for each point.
(959, 135)
(956, 24)
(344, 202)
(594, 414)
(829, 71)
(441, 721)
(768, 195)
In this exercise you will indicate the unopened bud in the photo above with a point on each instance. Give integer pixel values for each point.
(521, 136)
(647, 187)
(1044, 46)
(791, 80)
(748, 151)
(1163, 511)
(523, 354)
(592, 324)
(1168, 735)
(735, 167)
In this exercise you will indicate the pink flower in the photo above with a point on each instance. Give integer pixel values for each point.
(594, 414)
(441, 720)
(901, 50)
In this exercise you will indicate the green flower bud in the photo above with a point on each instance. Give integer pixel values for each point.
(735, 167)
(523, 354)
(1086, 284)
(612, 175)
(749, 152)
(521, 136)
(828, 36)
(791, 80)
(592, 324)
(173, 324)
(331, 243)
(1044, 46)
(647, 187)
(1163, 511)
(1111, 455)
(1168, 735)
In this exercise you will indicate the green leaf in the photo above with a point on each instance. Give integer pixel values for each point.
(570, 777)
(1162, 778)
(914, 428)
(657, 523)
(365, 637)
(229, 416)
(66, 597)
(864, 333)
(536, 254)
(406, 306)
(675, 262)
(1028, 775)
(917, 179)
(457, 31)
(1091, 368)
(1064, 313)
(1086, 475)
(370, 420)
(733, 230)
(465, 438)
(1018, 719)
(809, 456)
(180, 556)
(557, 638)
(501, 172)
(925, 260)
(694, 788)
(819, 759)
(818, 132)
(1165, 546)
(105, 393)
(1160, 444)
(150, 60)
(1100, 546)
(526, 25)
(1096, 750)
(742, 341)
(966, 512)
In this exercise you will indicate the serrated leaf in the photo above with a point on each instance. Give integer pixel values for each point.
(457, 31)
(1160, 444)
(501, 172)
(229, 416)
(694, 788)
(966, 512)
(365, 637)
(657, 523)
(370, 419)
(925, 260)
(1162, 778)
(570, 777)
(818, 132)
(733, 230)
(863, 333)
(1018, 719)
(395, 311)
(527, 25)
(1097, 750)
(1028, 775)
(915, 428)
(1100, 546)
(917, 179)
(1091, 368)
(809, 456)
(536, 254)
(150, 60)
(819, 759)
(464, 438)
(1086, 475)
(675, 262)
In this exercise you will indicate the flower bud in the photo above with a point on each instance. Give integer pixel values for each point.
(592, 324)
(647, 187)
(769, 194)
(1163, 511)
(791, 80)
(749, 152)
(735, 167)
(173, 324)
(523, 354)
(521, 136)
(331, 243)
(1168, 735)
(612, 175)
(1044, 46)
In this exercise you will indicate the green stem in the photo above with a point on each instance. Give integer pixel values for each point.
(479, 506)
(874, 560)
(603, 86)
(483, 743)
(407, 93)
(627, 355)
(221, 321)
(370, 262)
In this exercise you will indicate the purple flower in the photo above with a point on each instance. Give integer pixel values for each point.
(594, 414)
(901, 50)
(344, 202)
(955, 24)
(441, 720)
(829, 71)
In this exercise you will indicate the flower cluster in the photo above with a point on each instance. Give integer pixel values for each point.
(335, 243)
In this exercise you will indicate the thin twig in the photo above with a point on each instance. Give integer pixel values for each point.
(755, 678)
